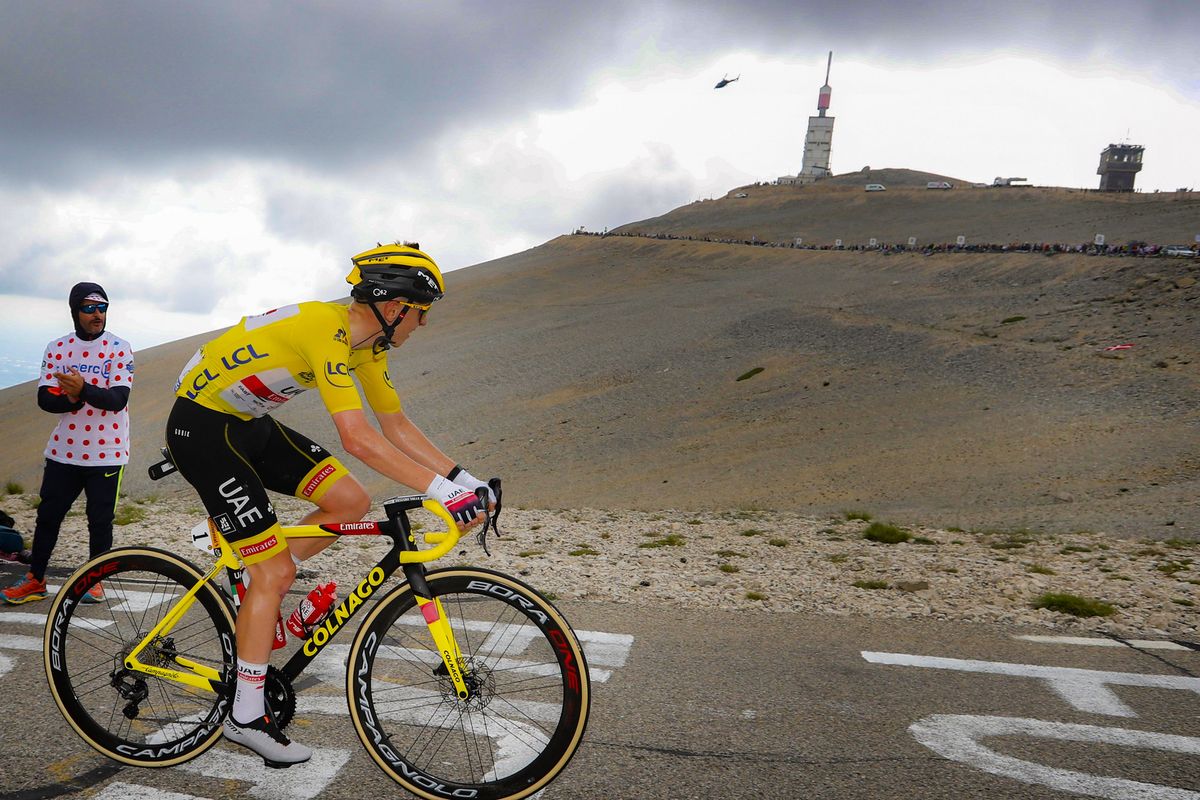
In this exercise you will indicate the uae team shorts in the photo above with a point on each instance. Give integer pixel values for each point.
(232, 463)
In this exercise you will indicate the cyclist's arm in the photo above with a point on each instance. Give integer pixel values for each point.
(395, 424)
(410, 440)
(361, 440)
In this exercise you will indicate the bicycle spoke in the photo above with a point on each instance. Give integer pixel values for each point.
(514, 727)
(126, 714)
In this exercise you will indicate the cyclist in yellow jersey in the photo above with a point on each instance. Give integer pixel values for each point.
(225, 444)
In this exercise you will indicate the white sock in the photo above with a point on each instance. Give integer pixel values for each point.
(249, 702)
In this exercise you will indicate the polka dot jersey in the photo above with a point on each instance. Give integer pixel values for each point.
(90, 437)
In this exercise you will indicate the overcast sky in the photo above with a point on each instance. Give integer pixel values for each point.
(207, 160)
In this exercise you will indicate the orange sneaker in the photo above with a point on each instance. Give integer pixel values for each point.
(93, 595)
(25, 590)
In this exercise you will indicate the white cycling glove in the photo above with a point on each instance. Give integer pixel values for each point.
(461, 502)
(469, 481)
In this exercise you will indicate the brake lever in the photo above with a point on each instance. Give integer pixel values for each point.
(490, 518)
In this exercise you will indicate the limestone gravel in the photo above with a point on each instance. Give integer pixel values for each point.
(773, 562)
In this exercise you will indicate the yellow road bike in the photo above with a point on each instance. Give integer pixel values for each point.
(461, 682)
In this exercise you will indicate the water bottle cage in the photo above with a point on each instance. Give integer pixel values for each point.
(308, 629)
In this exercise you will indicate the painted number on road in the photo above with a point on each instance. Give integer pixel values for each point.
(958, 736)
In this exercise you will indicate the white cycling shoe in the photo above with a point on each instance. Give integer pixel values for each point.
(263, 736)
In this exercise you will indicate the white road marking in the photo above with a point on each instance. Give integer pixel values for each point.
(1085, 689)
(511, 739)
(1141, 644)
(23, 618)
(15, 641)
(957, 736)
(301, 782)
(131, 791)
(609, 649)
(306, 781)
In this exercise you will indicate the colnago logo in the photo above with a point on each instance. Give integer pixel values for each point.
(344, 611)
(317, 479)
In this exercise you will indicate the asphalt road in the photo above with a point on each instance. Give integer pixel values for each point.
(734, 705)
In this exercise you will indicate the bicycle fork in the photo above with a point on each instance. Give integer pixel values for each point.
(440, 629)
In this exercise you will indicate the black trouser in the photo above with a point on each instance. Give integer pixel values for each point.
(61, 485)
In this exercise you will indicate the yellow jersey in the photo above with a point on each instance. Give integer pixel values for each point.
(266, 360)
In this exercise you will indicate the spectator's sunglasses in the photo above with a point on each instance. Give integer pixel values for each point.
(92, 308)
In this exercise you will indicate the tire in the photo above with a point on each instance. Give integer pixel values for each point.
(531, 695)
(139, 719)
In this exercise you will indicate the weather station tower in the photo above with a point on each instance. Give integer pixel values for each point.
(818, 141)
(1119, 166)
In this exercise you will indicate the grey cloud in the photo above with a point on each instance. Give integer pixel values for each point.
(139, 84)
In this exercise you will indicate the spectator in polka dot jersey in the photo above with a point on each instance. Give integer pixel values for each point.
(86, 378)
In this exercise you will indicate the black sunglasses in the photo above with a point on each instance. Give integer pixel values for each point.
(92, 308)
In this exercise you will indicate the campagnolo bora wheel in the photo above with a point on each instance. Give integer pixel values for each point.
(530, 692)
(132, 717)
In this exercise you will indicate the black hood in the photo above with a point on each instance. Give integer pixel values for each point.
(78, 292)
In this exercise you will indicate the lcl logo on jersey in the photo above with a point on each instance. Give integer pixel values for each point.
(338, 374)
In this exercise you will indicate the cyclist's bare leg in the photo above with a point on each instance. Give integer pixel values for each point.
(269, 583)
(345, 501)
(249, 724)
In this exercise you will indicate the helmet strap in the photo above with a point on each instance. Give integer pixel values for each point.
(384, 342)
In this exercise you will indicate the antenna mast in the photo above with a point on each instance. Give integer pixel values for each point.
(823, 96)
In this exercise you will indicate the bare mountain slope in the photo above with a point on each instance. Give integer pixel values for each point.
(967, 389)
(840, 209)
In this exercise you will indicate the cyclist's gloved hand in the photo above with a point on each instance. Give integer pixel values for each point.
(469, 481)
(462, 504)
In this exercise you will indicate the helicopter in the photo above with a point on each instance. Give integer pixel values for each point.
(725, 81)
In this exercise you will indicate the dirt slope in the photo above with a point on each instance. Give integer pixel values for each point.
(968, 390)
(841, 209)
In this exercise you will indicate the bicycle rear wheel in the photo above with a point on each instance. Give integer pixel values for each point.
(132, 717)
(530, 692)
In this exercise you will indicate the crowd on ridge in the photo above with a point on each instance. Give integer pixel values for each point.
(1134, 248)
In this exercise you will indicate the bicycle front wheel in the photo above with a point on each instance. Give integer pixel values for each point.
(132, 717)
(528, 680)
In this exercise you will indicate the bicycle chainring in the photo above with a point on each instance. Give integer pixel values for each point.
(280, 696)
